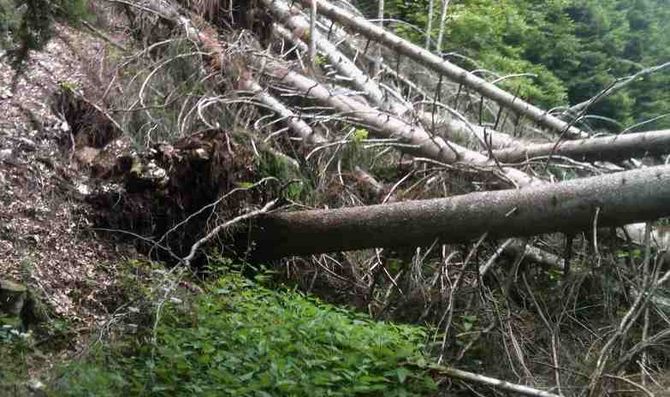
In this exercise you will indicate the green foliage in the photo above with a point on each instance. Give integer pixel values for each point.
(28, 25)
(320, 60)
(242, 339)
(359, 135)
(618, 39)
(497, 34)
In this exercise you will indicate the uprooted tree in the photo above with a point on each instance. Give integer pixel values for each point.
(315, 132)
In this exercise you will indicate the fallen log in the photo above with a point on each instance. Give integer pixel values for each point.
(571, 206)
(302, 31)
(390, 126)
(610, 148)
(455, 127)
(293, 18)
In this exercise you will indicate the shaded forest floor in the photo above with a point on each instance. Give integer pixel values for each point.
(46, 239)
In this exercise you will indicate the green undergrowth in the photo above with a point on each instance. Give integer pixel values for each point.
(241, 338)
(13, 361)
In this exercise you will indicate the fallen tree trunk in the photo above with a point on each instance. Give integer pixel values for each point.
(610, 148)
(446, 68)
(425, 145)
(297, 125)
(293, 18)
(301, 30)
(576, 205)
(419, 141)
(456, 126)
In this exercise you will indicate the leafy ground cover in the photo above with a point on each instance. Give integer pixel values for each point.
(240, 338)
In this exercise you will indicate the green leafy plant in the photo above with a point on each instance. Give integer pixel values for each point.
(242, 339)
(296, 185)
(359, 135)
(14, 348)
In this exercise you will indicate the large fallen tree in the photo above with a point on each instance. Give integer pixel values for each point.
(576, 205)
(417, 140)
(350, 107)
(458, 128)
(358, 110)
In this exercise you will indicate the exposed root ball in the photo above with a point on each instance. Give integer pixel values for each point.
(170, 183)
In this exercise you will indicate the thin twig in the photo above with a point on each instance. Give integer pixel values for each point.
(187, 259)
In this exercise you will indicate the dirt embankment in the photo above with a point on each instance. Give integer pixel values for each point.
(46, 241)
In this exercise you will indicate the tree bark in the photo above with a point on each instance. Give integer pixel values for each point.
(447, 69)
(312, 34)
(460, 131)
(297, 125)
(295, 21)
(610, 148)
(618, 199)
(429, 23)
(380, 59)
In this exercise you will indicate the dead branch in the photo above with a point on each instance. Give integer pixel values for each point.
(219, 228)
(619, 84)
(626, 323)
(492, 382)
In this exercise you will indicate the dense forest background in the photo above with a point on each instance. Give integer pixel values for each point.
(575, 49)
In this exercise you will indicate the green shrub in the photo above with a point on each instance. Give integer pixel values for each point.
(242, 339)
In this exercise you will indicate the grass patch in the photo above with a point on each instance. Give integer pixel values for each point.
(242, 339)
